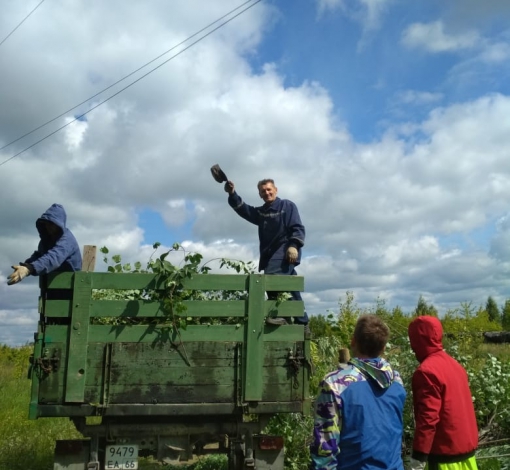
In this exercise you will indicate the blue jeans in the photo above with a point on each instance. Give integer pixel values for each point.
(283, 267)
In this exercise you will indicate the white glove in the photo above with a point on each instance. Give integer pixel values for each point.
(292, 255)
(20, 273)
(416, 464)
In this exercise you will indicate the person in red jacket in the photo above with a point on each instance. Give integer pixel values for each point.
(446, 434)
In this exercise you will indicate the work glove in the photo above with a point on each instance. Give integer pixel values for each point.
(20, 273)
(416, 464)
(229, 187)
(292, 255)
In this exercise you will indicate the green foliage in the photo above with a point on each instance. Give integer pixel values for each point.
(348, 314)
(296, 430)
(505, 316)
(324, 352)
(494, 458)
(422, 308)
(174, 293)
(465, 325)
(492, 309)
(320, 326)
(490, 387)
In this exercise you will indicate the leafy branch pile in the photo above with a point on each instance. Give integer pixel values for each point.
(173, 293)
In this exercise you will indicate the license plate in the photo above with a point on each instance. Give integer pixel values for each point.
(121, 457)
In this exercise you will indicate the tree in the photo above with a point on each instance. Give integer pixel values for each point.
(422, 308)
(505, 317)
(492, 310)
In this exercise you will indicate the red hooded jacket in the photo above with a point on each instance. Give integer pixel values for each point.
(446, 429)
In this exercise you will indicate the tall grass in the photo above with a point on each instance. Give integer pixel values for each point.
(24, 444)
(29, 444)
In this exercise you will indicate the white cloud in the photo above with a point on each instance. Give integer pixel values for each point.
(418, 98)
(495, 53)
(329, 5)
(433, 38)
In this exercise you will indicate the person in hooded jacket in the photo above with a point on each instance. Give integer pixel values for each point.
(281, 234)
(58, 250)
(446, 433)
(358, 423)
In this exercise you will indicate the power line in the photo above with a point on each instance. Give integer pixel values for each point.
(128, 75)
(22, 21)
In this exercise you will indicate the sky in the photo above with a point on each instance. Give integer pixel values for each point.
(387, 122)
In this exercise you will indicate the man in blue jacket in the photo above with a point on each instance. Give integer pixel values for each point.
(358, 422)
(58, 250)
(281, 233)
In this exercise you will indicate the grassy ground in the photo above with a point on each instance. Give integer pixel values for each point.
(501, 351)
(24, 444)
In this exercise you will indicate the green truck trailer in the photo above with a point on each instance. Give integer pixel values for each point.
(136, 383)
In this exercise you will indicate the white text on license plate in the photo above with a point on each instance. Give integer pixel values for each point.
(121, 457)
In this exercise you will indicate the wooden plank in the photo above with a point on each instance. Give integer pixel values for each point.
(294, 308)
(233, 282)
(200, 354)
(153, 309)
(78, 338)
(147, 308)
(280, 392)
(59, 280)
(165, 334)
(89, 258)
(160, 333)
(58, 308)
(152, 394)
(277, 282)
(284, 333)
(150, 281)
(134, 377)
(254, 338)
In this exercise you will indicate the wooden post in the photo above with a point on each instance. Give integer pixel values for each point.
(89, 258)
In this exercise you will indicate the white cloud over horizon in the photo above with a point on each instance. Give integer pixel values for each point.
(422, 208)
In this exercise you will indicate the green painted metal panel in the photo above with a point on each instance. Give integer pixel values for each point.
(78, 339)
(254, 339)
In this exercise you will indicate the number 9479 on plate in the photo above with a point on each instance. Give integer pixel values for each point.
(121, 457)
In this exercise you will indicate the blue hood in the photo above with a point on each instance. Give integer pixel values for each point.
(56, 252)
(56, 214)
